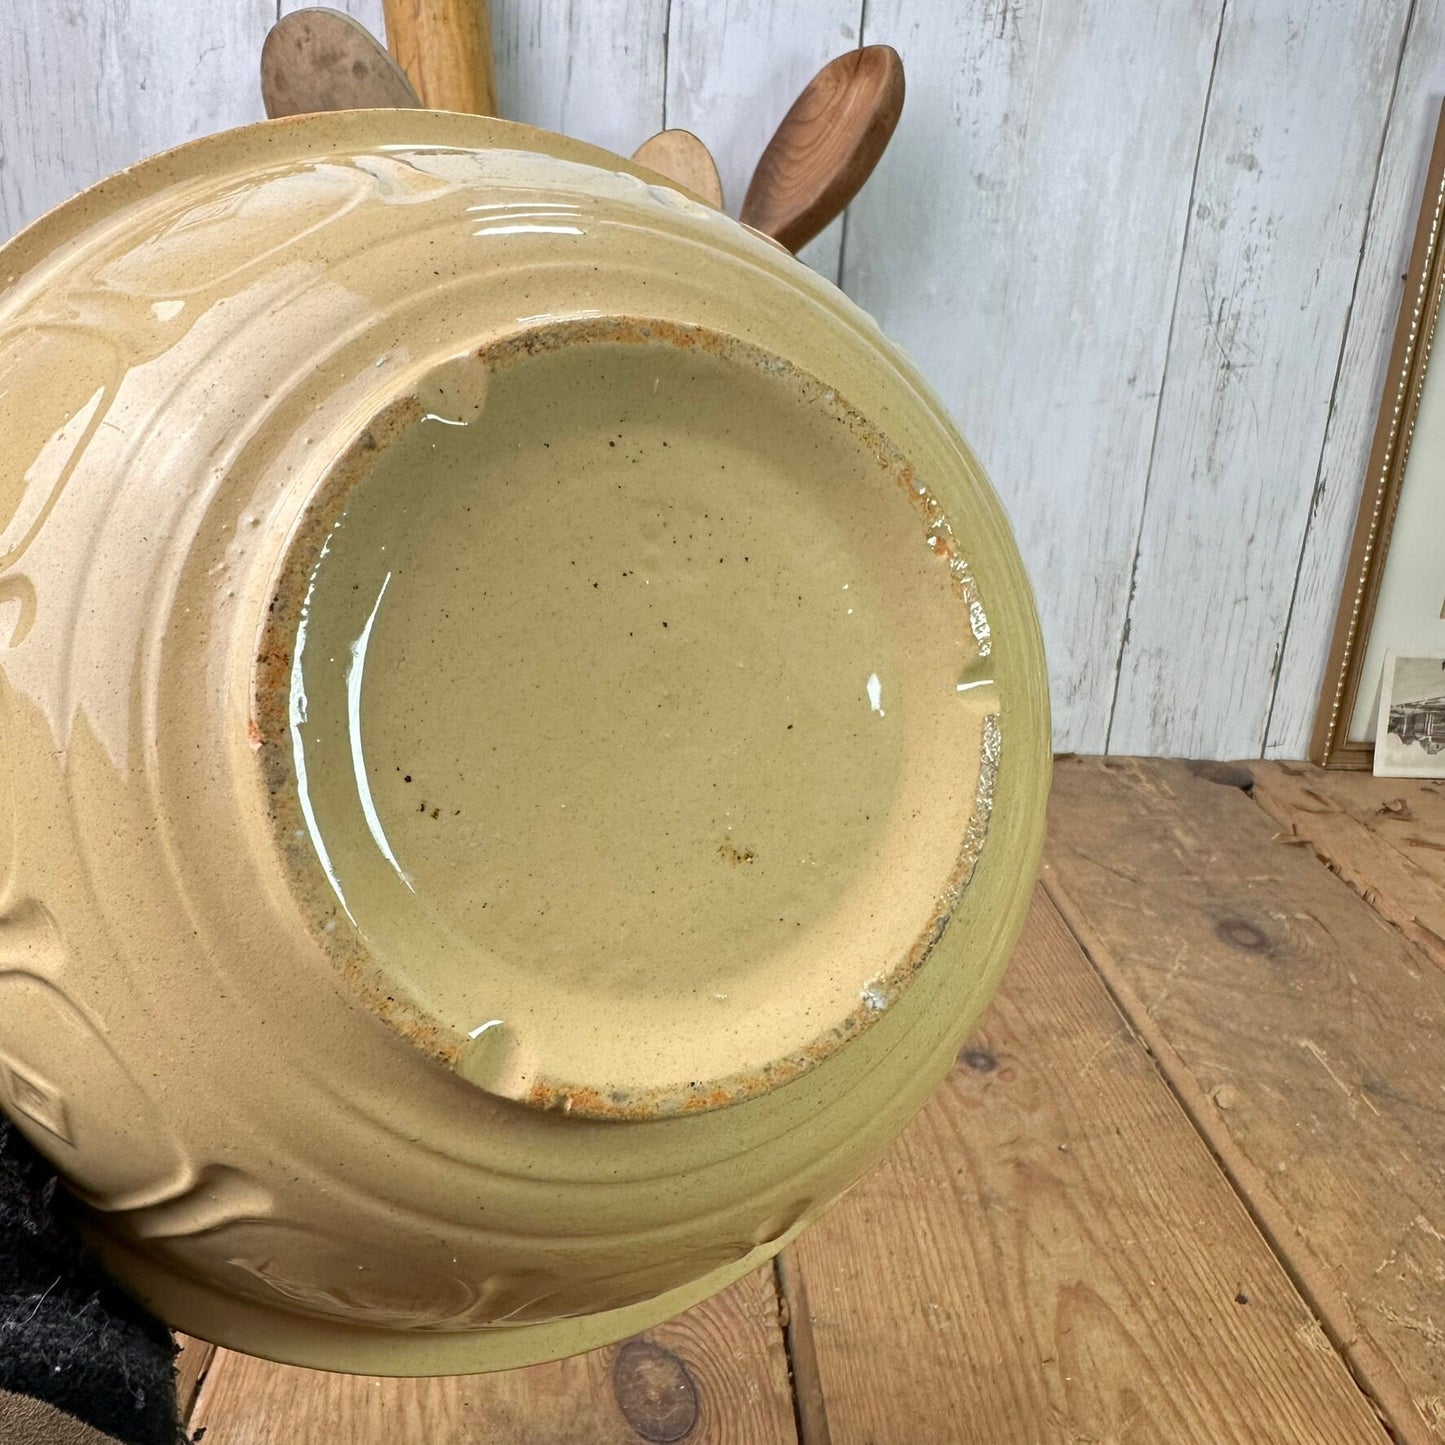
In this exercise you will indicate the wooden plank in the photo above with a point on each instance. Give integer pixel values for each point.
(191, 1366)
(1391, 230)
(717, 1373)
(1286, 168)
(1050, 1253)
(91, 87)
(733, 73)
(1384, 836)
(1022, 239)
(809, 1408)
(594, 71)
(1301, 1031)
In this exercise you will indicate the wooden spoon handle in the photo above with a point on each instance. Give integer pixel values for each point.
(445, 47)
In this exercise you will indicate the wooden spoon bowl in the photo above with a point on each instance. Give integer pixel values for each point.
(320, 60)
(682, 157)
(826, 146)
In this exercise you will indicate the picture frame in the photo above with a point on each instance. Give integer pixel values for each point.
(1341, 703)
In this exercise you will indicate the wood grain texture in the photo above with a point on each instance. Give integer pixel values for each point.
(445, 47)
(715, 1374)
(1022, 239)
(1050, 1254)
(192, 1364)
(88, 88)
(1384, 836)
(733, 69)
(682, 157)
(827, 146)
(1300, 1029)
(1282, 188)
(1394, 209)
(593, 71)
(810, 1410)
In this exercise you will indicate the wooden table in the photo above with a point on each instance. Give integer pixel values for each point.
(1186, 1184)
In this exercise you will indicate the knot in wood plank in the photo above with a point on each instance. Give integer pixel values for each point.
(655, 1391)
(981, 1061)
(1241, 934)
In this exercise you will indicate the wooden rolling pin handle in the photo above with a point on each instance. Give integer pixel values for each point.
(445, 47)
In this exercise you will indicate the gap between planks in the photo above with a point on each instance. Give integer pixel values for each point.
(1143, 854)
(1384, 836)
(717, 1373)
(786, 1290)
(192, 1363)
(1041, 1258)
(1372, 1370)
(810, 1410)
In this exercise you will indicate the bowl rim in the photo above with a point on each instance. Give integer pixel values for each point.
(295, 137)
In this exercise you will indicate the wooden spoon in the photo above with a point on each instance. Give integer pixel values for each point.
(826, 146)
(682, 157)
(319, 59)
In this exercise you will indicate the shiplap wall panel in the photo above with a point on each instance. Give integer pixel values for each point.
(1025, 239)
(89, 86)
(1022, 240)
(733, 69)
(1379, 291)
(367, 11)
(1291, 144)
(593, 70)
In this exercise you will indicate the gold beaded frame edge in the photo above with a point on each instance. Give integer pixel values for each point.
(1384, 477)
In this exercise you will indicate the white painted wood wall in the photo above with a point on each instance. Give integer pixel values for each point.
(1149, 252)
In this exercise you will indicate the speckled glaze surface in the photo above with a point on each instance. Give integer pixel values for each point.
(524, 738)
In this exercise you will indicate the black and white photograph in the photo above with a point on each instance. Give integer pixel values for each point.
(1410, 742)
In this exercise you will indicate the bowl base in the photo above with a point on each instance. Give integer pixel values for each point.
(236, 1323)
(634, 747)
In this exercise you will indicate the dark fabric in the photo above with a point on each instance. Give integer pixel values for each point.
(69, 1335)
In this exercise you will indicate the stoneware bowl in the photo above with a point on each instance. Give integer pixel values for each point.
(524, 738)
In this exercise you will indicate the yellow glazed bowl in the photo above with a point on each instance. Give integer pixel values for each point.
(524, 738)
